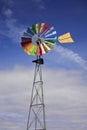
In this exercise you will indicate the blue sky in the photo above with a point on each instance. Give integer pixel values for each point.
(68, 62)
(16, 16)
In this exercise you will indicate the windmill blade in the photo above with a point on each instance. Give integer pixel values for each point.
(29, 48)
(50, 29)
(26, 45)
(46, 27)
(33, 29)
(37, 27)
(24, 39)
(53, 33)
(33, 52)
(47, 46)
(41, 27)
(43, 49)
(30, 31)
(65, 38)
(27, 35)
(49, 42)
(38, 51)
(52, 38)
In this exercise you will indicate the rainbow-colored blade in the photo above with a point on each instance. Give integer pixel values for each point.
(38, 39)
(65, 38)
(29, 48)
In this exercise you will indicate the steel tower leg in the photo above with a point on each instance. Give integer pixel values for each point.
(36, 117)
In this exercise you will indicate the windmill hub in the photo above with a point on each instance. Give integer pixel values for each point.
(36, 39)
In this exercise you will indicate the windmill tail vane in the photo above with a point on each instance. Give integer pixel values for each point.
(65, 38)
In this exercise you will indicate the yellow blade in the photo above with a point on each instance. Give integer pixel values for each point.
(37, 27)
(42, 26)
(47, 46)
(43, 49)
(31, 49)
(65, 38)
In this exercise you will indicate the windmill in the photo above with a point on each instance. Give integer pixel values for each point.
(36, 41)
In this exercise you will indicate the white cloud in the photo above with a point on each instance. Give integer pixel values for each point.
(8, 13)
(65, 98)
(72, 56)
(11, 27)
(14, 32)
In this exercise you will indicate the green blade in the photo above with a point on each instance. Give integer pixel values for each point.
(33, 28)
(50, 42)
(33, 53)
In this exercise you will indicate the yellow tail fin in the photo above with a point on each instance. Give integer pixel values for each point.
(65, 38)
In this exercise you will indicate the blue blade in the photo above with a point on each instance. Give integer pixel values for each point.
(30, 31)
(53, 38)
(27, 35)
(53, 33)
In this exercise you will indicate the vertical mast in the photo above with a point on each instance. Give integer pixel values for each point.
(36, 117)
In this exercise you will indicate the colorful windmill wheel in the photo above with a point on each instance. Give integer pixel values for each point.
(38, 39)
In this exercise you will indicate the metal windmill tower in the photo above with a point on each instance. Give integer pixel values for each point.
(36, 117)
(38, 40)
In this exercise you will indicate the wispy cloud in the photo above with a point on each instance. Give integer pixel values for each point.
(11, 28)
(8, 13)
(14, 32)
(67, 87)
(65, 52)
